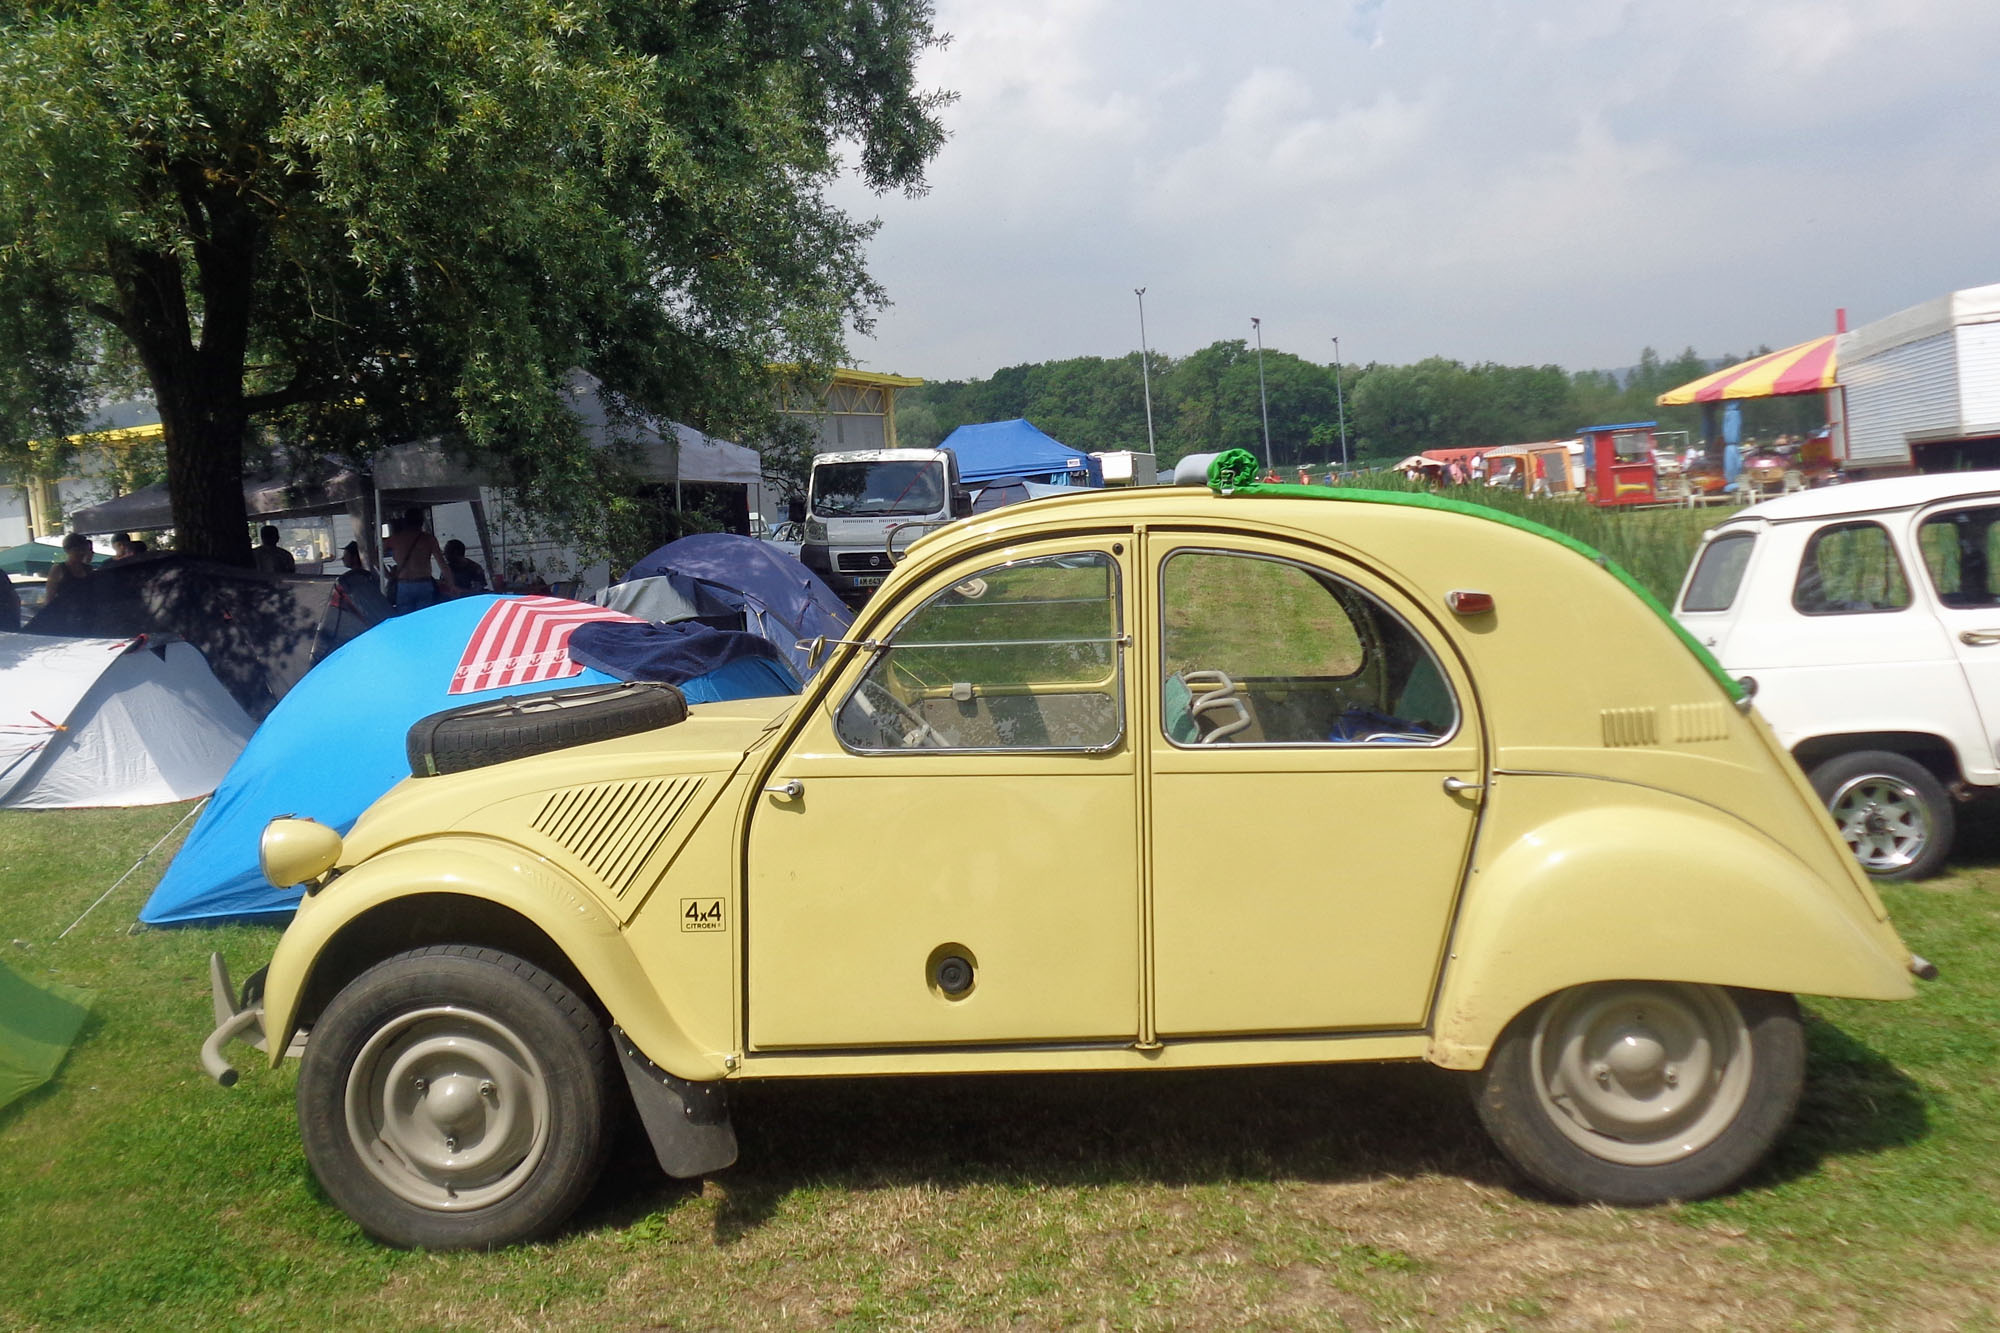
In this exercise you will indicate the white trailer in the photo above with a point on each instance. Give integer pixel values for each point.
(1921, 385)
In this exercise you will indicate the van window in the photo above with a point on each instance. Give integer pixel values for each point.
(1719, 573)
(1959, 550)
(1850, 569)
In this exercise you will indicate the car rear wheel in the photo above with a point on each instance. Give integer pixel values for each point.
(1640, 1092)
(455, 1098)
(1892, 811)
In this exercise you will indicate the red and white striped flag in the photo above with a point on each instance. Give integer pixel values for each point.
(524, 639)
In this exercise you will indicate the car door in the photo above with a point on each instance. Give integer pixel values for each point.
(949, 854)
(1308, 831)
(1960, 545)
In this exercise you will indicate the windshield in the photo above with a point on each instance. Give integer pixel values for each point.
(844, 490)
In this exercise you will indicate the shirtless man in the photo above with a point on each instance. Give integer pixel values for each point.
(416, 553)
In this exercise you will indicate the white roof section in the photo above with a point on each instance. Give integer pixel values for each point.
(1970, 305)
(879, 456)
(1871, 497)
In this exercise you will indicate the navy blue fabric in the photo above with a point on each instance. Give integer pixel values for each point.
(781, 599)
(1016, 449)
(672, 653)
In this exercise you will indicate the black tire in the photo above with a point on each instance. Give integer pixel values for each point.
(526, 724)
(455, 1098)
(1670, 1122)
(1894, 814)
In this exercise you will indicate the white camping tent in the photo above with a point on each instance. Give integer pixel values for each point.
(111, 722)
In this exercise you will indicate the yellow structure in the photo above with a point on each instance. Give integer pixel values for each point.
(1122, 780)
(855, 410)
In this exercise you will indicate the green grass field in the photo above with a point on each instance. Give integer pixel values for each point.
(136, 1194)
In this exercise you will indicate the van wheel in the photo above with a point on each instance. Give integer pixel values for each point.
(1893, 812)
(1641, 1092)
(455, 1098)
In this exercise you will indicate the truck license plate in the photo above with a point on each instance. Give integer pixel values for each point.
(868, 580)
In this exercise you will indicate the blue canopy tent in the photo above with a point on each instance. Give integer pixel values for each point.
(718, 573)
(336, 742)
(1017, 449)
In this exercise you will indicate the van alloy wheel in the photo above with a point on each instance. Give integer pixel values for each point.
(1892, 812)
(1883, 820)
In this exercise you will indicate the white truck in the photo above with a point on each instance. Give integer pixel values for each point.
(863, 509)
(1921, 387)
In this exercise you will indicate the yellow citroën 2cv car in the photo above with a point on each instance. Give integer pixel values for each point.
(1290, 775)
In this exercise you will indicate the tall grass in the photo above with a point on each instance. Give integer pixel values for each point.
(1653, 545)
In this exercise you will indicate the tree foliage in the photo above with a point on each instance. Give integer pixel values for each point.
(361, 222)
(1208, 401)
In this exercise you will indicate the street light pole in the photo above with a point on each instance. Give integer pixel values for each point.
(1262, 402)
(1340, 400)
(1145, 374)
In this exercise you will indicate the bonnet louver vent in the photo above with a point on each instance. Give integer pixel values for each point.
(615, 828)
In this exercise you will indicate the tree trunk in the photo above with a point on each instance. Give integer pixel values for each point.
(204, 425)
(198, 385)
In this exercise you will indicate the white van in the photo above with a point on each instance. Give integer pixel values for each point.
(1868, 618)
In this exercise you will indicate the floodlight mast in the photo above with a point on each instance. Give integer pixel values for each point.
(1263, 404)
(1145, 375)
(1340, 401)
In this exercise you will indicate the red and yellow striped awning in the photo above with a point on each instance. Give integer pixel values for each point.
(1807, 368)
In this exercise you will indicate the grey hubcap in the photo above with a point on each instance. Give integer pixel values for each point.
(1883, 820)
(448, 1108)
(1642, 1073)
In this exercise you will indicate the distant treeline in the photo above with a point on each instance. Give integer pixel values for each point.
(1208, 401)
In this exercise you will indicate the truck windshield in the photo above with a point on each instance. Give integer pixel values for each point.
(844, 490)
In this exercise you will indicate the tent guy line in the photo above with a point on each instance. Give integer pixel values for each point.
(178, 825)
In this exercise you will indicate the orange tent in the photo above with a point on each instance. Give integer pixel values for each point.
(1807, 368)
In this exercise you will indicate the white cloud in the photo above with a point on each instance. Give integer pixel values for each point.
(1522, 180)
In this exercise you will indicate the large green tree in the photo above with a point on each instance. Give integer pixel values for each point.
(360, 221)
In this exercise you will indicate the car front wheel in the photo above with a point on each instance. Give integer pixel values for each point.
(455, 1098)
(1892, 811)
(1640, 1092)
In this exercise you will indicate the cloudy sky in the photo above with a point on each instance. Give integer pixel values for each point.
(1560, 181)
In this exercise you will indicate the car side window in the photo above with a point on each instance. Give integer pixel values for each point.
(1850, 569)
(1256, 650)
(1022, 656)
(1961, 551)
(1719, 572)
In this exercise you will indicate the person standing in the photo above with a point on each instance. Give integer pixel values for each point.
(422, 573)
(272, 558)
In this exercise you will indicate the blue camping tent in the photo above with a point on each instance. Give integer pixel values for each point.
(1016, 449)
(336, 742)
(779, 598)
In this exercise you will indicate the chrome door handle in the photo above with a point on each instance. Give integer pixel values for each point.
(789, 790)
(1979, 638)
(1456, 786)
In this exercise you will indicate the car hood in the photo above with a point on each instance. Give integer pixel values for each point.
(498, 799)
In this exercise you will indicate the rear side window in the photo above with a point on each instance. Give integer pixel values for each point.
(1850, 569)
(1719, 573)
(1961, 549)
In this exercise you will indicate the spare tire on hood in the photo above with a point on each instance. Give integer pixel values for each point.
(520, 725)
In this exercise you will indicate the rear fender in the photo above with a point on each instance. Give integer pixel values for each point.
(1627, 883)
(335, 924)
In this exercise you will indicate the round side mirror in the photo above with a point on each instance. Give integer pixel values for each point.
(814, 649)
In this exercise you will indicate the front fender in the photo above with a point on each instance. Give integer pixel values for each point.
(488, 871)
(1579, 881)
